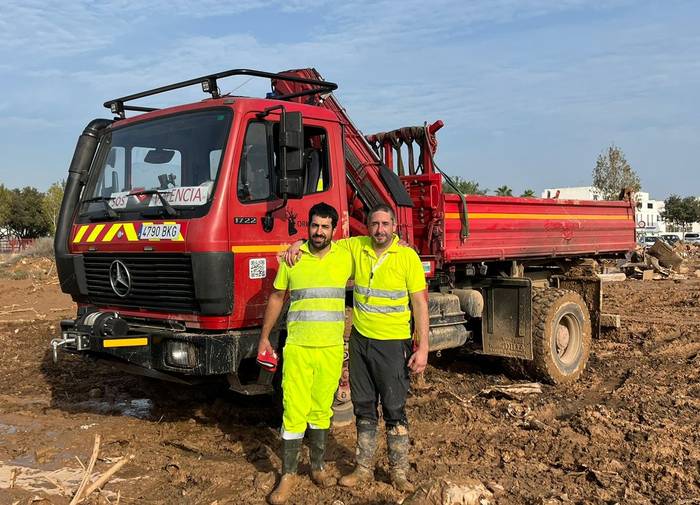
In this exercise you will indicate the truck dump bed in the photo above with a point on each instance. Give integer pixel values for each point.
(503, 228)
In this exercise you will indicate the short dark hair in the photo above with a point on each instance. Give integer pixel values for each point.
(324, 210)
(381, 207)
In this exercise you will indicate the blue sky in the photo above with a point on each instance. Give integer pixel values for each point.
(531, 91)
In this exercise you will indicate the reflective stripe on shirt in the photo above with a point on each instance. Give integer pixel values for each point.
(380, 309)
(315, 315)
(391, 294)
(299, 294)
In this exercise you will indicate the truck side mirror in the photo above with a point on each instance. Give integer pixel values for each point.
(291, 141)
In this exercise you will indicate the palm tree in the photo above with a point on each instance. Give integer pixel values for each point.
(504, 191)
(528, 193)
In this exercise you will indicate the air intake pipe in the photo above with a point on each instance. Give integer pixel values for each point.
(68, 266)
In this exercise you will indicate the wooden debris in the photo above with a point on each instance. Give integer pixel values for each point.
(616, 277)
(13, 477)
(512, 391)
(666, 255)
(88, 471)
(57, 485)
(648, 275)
(107, 475)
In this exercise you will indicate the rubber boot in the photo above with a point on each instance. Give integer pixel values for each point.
(364, 455)
(397, 446)
(290, 464)
(317, 451)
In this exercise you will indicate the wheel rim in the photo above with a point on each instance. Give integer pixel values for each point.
(567, 340)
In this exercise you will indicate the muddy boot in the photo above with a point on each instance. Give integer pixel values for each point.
(364, 455)
(290, 463)
(317, 450)
(397, 446)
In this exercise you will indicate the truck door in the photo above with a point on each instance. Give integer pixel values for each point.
(253, 195)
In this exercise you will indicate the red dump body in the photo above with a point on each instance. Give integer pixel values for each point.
(512, 228)
(515, 228)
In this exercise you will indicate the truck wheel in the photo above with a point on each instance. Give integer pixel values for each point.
(561, 335)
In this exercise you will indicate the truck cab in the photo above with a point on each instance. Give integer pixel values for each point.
(178, 209)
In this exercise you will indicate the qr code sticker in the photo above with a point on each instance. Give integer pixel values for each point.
(257, 268)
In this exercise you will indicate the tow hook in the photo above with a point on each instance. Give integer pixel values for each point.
(80, 341)
(58, 342)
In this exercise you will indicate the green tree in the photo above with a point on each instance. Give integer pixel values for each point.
(26, 217)
(504, 191)
(612, 173)
(52, 202)
(464, 186)
(5, 198)
(528, 193)
(681, 211)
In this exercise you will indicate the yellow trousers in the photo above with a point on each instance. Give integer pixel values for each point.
(310, 377)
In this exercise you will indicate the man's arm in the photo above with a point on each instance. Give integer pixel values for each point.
(272, 312)
(419, 304)
(293, 252)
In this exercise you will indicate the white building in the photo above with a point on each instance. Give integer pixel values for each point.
(648, 215)
(573, 193)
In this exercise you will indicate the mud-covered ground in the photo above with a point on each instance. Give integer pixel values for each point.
(627, 432)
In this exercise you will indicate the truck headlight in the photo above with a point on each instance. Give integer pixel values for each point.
(180, 354)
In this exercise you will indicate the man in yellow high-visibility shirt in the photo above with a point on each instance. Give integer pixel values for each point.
(387, 276)
(313, 353)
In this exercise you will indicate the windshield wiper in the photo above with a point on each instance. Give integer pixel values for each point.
(104, 199)
(169, 209)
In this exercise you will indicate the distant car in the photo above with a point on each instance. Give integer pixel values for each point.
(670, 239)
(649, 240)
(691, 238)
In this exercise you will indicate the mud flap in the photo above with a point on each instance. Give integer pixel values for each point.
(506, 326)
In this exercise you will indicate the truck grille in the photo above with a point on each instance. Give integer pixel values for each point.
(160, 282)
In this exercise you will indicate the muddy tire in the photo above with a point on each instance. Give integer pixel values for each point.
(561, 335)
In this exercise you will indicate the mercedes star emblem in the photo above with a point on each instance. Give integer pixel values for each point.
(119, 278)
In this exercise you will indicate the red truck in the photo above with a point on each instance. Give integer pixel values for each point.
(172, 219)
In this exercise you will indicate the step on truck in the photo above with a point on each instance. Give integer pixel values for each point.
(173, 217)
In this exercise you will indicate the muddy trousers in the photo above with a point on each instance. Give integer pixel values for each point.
(310, 377)
(379, 375)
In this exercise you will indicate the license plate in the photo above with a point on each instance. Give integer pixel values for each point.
(159, 231)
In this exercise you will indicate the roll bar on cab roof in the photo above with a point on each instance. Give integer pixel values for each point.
(209, 84)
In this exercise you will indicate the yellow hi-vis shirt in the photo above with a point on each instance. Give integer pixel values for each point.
(382, 288)
(316, 316)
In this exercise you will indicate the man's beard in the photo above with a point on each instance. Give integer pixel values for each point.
(325, 242)
(380, 239)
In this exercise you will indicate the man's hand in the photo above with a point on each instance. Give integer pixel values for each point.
(265, 346)
(403, 243)
(418, 361)
(293, 253)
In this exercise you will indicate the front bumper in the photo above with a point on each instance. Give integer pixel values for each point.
(164, 350)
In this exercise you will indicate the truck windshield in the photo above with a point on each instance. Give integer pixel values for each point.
(163, 167)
